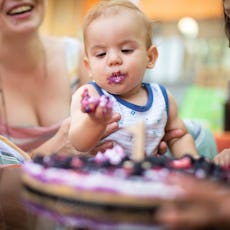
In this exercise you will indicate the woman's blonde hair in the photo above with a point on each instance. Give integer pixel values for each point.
(114, 6)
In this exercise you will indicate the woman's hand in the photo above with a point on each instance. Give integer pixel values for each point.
(175, 133)
(111, 127)
(223, 158)
(60, 143)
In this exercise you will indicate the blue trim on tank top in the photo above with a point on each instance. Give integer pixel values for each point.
(165, 95)
(139, 108)
(132, 106)
(97, 87)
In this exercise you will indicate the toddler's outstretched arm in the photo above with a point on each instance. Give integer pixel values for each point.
(90, 116)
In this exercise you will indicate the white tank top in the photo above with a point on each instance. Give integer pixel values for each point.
(154, 114)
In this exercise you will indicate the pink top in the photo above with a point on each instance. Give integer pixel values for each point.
(28, 138)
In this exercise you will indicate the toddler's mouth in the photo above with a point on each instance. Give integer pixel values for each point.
(116, 78)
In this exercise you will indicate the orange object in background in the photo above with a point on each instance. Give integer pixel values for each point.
(165, 10)
(222, 140)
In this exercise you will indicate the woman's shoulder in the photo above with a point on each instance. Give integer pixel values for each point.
(70, 44)
(70, 49)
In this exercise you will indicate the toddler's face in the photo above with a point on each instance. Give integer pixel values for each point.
(117, 52)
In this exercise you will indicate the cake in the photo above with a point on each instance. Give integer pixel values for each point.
(109, 188)
(100, 181)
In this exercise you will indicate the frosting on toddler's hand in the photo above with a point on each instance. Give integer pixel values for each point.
(90, 104)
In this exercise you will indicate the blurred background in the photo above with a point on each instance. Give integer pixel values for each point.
(194, 56)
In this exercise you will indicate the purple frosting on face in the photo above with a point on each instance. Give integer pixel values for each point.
(116, 78)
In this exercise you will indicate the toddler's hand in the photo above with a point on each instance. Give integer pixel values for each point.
(97, 107)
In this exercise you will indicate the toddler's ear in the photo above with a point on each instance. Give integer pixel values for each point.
(152, 56)
(87, 66)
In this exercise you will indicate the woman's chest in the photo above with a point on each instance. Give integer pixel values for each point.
(35, 101)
